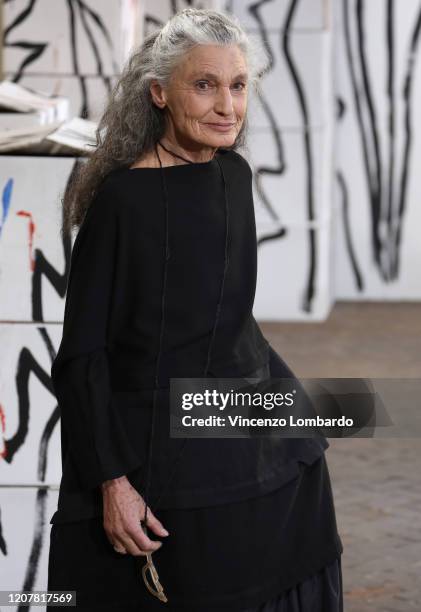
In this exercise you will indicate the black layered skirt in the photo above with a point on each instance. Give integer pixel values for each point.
(279, 552)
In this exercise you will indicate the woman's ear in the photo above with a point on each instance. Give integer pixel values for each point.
(158, 94)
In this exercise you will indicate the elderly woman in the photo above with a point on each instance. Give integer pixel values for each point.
(161, 286)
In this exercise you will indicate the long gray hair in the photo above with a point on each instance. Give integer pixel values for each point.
(131, 123)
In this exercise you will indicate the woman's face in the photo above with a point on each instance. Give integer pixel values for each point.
(206, 99)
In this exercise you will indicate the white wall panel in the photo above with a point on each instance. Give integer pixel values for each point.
(309, 15)
(295, 271)
(67, 38)
(157, 12)
(285, 188)
(30, 425)
(25, 532)
(377, 148)
(309, 52)
(31, 248)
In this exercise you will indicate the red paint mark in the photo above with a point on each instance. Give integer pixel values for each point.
(3, 452)
(23, 213)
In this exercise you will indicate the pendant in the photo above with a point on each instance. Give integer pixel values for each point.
(149, 565)
(158, 591)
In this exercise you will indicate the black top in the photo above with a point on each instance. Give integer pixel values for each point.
(162, 284)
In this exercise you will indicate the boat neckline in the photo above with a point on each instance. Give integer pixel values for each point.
(218, 155)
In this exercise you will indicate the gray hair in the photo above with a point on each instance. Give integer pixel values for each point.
(131, 123)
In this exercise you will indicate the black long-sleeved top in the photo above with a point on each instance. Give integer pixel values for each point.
(163, 271)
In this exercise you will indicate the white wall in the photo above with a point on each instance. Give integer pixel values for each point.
(381, 260)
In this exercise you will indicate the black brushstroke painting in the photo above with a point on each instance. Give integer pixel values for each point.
(94, 27)
(27, 365)
(386, 172)
(284, 31)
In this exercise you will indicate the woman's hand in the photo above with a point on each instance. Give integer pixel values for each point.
(123, 510)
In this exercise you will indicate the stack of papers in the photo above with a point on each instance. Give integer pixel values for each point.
(42, 107)
(35, 123)
(77, 135)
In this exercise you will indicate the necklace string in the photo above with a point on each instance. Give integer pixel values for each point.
(159, 593)
(174, 154)
(210, 345)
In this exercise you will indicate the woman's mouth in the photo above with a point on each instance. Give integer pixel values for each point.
(221, 127)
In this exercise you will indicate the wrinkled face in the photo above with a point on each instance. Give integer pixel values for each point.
(206, 99)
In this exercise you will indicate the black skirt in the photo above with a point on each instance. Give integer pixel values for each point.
(281, 550)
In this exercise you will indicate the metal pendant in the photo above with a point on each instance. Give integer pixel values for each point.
(158, 591)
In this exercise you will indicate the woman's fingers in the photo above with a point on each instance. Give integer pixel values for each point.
(135, 544)
(153, 523)
(142, 541)
(132, 539)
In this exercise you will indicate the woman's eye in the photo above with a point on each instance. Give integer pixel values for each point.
(202, 85)
(206, 85)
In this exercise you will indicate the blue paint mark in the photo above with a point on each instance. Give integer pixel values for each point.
(6, 198)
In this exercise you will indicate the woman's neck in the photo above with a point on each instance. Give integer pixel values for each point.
(195, 156)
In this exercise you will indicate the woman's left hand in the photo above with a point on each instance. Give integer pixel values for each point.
(124, 508)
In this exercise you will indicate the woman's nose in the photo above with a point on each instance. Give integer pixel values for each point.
(223, 102)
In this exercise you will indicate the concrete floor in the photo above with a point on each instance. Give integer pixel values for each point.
(376, 482)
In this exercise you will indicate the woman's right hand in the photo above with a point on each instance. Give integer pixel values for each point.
(123, 509)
